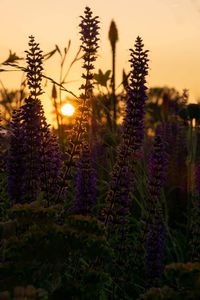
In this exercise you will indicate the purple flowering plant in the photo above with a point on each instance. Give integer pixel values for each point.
(132, 194)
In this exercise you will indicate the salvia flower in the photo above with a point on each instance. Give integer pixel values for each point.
(157, 168)
(155, 249)
(174, 134)
(34, 159)
(15, 163)
(89, 37)
(136, 97)
(194, 238)
(156, 232)
(50, 155)
(34, 69)
(133, 128)
(123, 197)
(31, 131)
(85, 198)
(197, 178)
(53, 160)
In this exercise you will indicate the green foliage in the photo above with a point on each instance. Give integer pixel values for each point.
(183, 275)
(192, 111)
(37, 249)
(33, 246)
(102, 78)
(24, 213)
(4, 202)
(13, 57)
(182, 283)
(26, 293)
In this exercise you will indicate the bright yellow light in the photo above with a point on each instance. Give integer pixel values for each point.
(67, 109)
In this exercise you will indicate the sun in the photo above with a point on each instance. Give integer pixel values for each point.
(68, 109)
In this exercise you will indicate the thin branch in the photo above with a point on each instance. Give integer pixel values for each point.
(44, 76)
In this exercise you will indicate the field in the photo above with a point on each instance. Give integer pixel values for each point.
(107, 204)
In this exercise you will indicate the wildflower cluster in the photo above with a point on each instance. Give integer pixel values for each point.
(89, 37)
(194, 241)
(133, 128)
(34, 68)
(156, 231)
(85, 198)
(34, 161)
(136, 96)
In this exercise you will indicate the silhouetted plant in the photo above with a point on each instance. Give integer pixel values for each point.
(129, 152)
(174, 132)
(194, 231)
(57, 96)
(181, 282)
(32, 245)
(101, 103)
(113, 37)
(11, 100)
(15, 160)
(34, 160)
(28, 292)
(34, 68)
(133, 128)
(85, 190)
(155, 222)
(89, 37)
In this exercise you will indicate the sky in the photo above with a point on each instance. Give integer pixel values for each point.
(170, 30)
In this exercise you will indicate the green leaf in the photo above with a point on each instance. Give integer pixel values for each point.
(102, 78)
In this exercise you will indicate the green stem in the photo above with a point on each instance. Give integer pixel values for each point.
(114, 99)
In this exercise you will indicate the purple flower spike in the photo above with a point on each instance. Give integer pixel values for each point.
(89, 37)
(123, 197)
(155, 248)
(85, 198)
(136, 97)
(157, 168)
(34, 159)
(197, 178)
(156, 232)
(130, 149)
(15, 163)
(194, 241)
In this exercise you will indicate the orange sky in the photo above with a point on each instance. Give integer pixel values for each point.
(170, 30)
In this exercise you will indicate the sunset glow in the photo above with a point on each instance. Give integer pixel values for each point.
(68, 109)
(100, 149)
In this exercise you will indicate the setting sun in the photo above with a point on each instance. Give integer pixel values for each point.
(67, 109)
